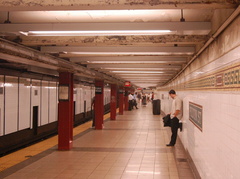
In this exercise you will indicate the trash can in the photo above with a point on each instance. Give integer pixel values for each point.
(156, 107)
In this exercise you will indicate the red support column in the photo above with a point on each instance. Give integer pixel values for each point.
(113, 104)
(99, 105)
(65, 111)
(121, 100)
(126, 99)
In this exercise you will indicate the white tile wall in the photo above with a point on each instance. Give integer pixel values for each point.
(11, 104)
(106, 96)
(35, 99)
(77, 98)
(215, 151)
(1, 104)
(83, 93)
(82, 100)
(88, 97)
(44, 102)
(53, 102)
(24, 104)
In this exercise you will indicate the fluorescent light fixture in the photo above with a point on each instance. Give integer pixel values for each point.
(152, 72)
(146, 84)
(134, 62)
(140, 75)
(8, 84)
(127, 53)
(130, 69)
(66, 54)
(95, 33)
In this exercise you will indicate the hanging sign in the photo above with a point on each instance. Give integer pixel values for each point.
(127, 83)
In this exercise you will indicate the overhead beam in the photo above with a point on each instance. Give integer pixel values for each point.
(130, 58)
(115, 40)
(117, 50)
(27, 5)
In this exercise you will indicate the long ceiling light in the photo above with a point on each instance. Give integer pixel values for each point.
(152, 72)
(134, 69)
(127, 53)
(134, 62)
(95, 33)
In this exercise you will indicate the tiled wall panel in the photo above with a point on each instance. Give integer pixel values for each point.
(1, 104)
(44, 102)
(88, 96)
(53, 105)
(11, 104)
(107, 93)
(82, 100)
(24, 103)
(77, 99)
(35, 99)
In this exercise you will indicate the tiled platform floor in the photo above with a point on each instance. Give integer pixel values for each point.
(133, 146)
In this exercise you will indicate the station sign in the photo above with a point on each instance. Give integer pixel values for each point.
(98, 90)
(127, 84)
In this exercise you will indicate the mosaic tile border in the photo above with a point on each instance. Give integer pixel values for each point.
(225, 79)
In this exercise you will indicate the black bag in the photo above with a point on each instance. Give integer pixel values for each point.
(167, 121)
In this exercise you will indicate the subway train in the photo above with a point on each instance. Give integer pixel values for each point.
(29, 108)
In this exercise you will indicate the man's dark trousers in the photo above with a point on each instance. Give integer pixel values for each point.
(174, 129)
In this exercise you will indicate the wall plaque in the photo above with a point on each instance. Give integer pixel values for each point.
(195, 115)
(63, 93)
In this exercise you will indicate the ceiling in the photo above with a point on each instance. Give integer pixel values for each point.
(145, 42)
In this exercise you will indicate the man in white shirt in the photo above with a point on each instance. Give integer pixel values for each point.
(130, 104)
(176, 115)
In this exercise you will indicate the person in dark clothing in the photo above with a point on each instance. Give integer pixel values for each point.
(93, 112)
(176, 115)
(135, 100)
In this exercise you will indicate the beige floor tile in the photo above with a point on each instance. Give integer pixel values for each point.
(131, 147)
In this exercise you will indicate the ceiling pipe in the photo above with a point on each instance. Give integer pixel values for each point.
(213, 37)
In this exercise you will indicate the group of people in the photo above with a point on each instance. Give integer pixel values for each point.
(137, 97)
(132, 101)
(175, 114)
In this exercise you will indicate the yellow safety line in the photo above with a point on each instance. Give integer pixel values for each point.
(23, 154)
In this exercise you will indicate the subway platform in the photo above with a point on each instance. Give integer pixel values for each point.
(132, 146)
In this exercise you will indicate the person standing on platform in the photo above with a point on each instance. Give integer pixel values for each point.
(176, 115)
(152, 98)
(93, 112)
(130, 102)
(144, 100)
(135, 100)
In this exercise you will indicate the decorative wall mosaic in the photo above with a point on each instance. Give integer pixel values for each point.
(223, 79)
